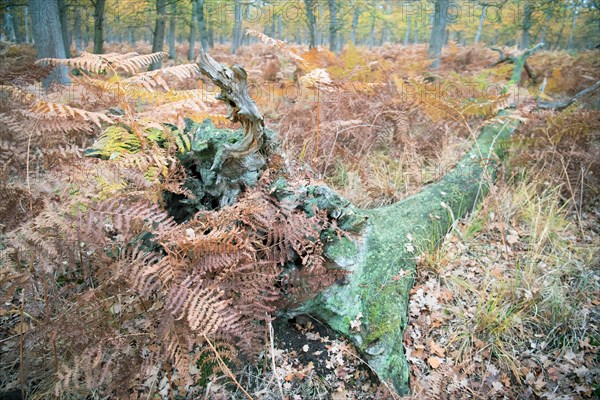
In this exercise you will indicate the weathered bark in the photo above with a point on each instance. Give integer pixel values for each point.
(234, 92)
(312, 23)
(48, 37)
(236, 41)
(172, 26)
(159, 31)
(98, 25)
(64, 27)
(436, 41)
(333, 26)
(380, 256)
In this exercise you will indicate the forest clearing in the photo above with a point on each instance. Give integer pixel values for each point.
(303, 199)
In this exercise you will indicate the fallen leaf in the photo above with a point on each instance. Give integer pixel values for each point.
(437, 349)
(434, 362)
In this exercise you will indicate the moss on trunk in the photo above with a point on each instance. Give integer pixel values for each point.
(377, 290)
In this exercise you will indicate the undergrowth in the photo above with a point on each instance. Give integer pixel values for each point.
(104, 294)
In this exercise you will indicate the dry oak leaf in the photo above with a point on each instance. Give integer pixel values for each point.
(434, 362)
(437, 349)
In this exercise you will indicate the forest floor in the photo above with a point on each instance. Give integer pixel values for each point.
(506, 305)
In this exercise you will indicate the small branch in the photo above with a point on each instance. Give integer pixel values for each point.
(520, 62)
(561, 105)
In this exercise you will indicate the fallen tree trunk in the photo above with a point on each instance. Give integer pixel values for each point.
(371, 306)
(382, 260)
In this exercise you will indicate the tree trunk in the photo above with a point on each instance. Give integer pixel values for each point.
(26, 17)
(202, 26)
(436, 41)
(48, 38)
(355, 18)
(527, 23)
(77, 31)
(172, 26)
(160, 23)
(236, 40)
(192, 36)
(312, 23)
(545, 27)
(380, 256)
(407, 32)
(16, 23)
(572, 33)
(98, 25)
(64, 26)
(416, 31)
(333, 26)
(480, 26)
(386, 31)
(382, 260)
(9, 26)
(372, 32)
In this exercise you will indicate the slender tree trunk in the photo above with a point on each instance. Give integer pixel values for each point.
(210, 33)
(354, 27)
(64, 26)
(572, 33)
(172, 26)
(416, 31)
(386, 31)
(16, 22)
(98, 25)
(192, 36)
(279, 26)
(48, 37)
(480, 26)
(545, 27)
(407, 32)
(159, 31)
(236, 41)
(9, 27)
(131, 36)
(312, 28)
(77, 31)
(333, 26)
(26, 17)
(372, 32)
(495, 39)
(527, 23)
(436, 41)
(202, 26)
(560, 32)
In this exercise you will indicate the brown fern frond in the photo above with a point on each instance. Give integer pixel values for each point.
(66, 111)
(151, 79)
(281, 46)
(138, 62)
(97, 63)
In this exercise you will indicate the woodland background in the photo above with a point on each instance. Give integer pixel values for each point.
(105, 291)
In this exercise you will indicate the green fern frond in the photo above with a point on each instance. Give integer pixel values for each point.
(114, 142)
